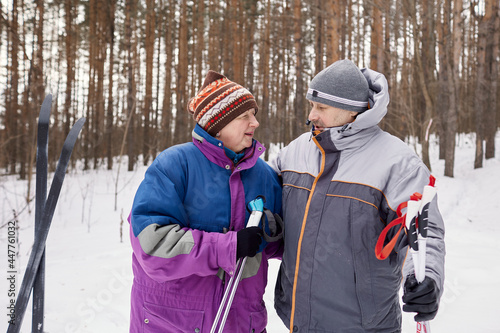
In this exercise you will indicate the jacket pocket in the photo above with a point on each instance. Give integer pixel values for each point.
(158, 318)
(258, 321)
(376, 281)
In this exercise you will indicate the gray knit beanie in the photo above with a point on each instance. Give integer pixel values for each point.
(341, 85)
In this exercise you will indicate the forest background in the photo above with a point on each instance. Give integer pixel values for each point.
(130, 66)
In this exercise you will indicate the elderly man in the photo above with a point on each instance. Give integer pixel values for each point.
(342, 184)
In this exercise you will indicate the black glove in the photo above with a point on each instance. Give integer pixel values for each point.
(248, 242)
(421, 298)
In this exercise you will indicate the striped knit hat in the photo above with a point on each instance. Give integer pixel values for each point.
(218, 102)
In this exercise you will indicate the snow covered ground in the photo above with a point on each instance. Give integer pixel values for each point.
(88, 276)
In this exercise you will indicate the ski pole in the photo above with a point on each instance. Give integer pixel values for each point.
(257, 207)
(428, 194)
(411, 225)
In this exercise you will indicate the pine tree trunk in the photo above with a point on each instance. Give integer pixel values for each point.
(181, 116)
(90, 123)
(491, 72)
(333, 43)
(387, 41)
(251, 30)
(423, 87)
(131, 91)
(200, 43)
(12, 143)
(37, 91)
(377, 45)
(238, 57)
(318, 37)
(451, 111)
(148, 99)
(167, 91)
(227, 38)
(70, 40)
(215, 27)
(265, 79)
(481, 89)
(300, 109)
(111, 7)
(99, 129)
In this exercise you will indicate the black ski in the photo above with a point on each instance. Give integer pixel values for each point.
(41, 197)
(48, 212)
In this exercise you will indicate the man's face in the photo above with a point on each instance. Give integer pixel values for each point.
(324, 116)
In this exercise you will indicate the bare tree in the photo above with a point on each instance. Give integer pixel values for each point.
(483, 82)
(448, 85)
(70, 43)
(12, 130)
(299, 106)
(169, 12)
(491, 76)
(333, 34)
(148, 98)
(125, 56)
(377, 38)
(131, 7)
(181, 115)
(110, 37)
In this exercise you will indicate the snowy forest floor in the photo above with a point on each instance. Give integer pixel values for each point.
(88, 274)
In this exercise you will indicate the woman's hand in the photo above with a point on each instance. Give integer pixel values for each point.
(248, 242)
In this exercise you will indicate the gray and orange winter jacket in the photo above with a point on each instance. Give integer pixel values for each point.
(340, 189)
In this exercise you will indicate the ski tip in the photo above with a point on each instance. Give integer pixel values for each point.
(45, 109)
(47, 100)
(80, 122)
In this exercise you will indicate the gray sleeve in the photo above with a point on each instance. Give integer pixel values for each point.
(166, 241)
(275, 162)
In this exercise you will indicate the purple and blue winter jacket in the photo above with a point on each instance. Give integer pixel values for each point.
(183, 231)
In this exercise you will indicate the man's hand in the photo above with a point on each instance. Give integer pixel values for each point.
(421, 298)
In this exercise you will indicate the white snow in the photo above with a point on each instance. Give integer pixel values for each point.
(88, 274)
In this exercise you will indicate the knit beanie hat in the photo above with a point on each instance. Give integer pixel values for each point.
(341, 85)
(218, 102)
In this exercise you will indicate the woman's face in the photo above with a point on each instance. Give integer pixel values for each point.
(238, 134)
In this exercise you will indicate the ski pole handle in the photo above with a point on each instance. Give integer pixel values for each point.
(257, 207)
(427, 196)
(411, 226)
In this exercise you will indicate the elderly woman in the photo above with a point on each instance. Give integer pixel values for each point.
(188, 220)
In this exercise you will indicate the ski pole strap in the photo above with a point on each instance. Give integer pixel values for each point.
(274, 221)
(382, 251)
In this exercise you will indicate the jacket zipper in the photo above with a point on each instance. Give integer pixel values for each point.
(299, 246)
